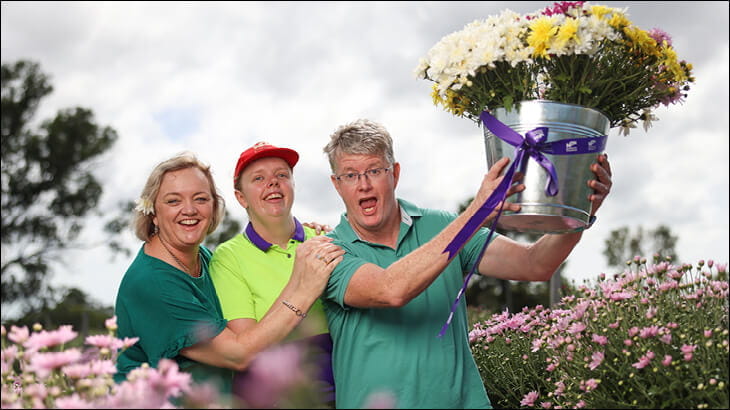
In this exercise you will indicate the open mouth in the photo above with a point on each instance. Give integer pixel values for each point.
(368, 205)
(273, 195)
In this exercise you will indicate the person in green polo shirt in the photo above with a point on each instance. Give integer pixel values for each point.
(250, 270)
(388, 300)
(166, 298)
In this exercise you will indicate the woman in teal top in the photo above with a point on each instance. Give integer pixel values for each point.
(167, 299)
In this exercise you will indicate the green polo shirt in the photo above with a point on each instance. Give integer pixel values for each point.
(168, 310)
(397, 350)
(249, 274)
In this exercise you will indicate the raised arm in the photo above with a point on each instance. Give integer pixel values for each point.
(508, 259)
(373, 286)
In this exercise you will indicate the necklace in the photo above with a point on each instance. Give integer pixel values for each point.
(179, 262)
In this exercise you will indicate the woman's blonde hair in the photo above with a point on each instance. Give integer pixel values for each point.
(142, 223)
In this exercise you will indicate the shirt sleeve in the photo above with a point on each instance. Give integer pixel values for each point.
(471, 250)
(236, 298)
(341, 275)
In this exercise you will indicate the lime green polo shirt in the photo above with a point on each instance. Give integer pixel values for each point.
(249, 273)
(397, 350)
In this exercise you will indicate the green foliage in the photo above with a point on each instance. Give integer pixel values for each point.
(75, 308)
(48, 188)
(622, 245)
(655, 336)
(227, 229)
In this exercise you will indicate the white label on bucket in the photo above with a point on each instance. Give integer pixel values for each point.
(572, 146)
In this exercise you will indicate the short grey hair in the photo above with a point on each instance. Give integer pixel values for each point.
(361, 137)
(142, 223)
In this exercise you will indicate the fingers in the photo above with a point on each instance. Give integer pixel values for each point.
(321, 251)
(498, 167)
(329, 253)
(602, 184)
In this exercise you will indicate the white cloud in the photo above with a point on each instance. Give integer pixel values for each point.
(291, 72)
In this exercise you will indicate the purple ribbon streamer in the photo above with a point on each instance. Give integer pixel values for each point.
(533, 144)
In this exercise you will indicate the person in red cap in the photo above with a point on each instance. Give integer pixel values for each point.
(250, 270)
(167, 299)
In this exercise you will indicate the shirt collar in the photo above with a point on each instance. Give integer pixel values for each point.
(407, 212)
(263, 244)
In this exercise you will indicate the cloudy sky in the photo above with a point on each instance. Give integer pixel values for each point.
(215, 78)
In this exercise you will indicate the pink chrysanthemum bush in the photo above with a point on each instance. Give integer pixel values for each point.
(654, 336)
(39, 370)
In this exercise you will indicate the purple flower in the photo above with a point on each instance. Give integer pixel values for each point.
(111, 323)
(271, 374)
(687, 348)
(77, 371)
(43, 363)
(7, 358)
(644, 360)
(660, 36)
(104, 341)
(601, 340)
(73, 402)
(380, 400)
(588, 385)
(18, 334)
(45, 339)
(648, 332)
(576, 328)
(529, 399)
(596, 360)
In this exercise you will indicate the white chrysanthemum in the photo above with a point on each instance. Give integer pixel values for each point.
(144, 206)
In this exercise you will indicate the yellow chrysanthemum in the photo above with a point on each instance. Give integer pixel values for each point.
(618, 21)
(641, 40)
(669, 60)
(566, 32)
(436, 95)
(542, 33)
(600, 11)
(455, 103)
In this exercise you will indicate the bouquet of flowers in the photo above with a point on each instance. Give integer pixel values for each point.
(572, 52)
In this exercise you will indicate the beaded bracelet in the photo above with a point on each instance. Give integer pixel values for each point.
(296, 311)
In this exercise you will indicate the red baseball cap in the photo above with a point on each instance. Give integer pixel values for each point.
(263, 150)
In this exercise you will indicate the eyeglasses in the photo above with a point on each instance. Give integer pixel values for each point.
(351, 178)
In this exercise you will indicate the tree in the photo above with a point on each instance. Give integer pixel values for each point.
(68, 306)
(622, 246)
(48, 188)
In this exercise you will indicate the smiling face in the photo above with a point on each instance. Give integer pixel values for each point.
(183, 208)
(266, 189)
(372, 209)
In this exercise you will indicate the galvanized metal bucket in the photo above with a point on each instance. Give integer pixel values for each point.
(570, 209)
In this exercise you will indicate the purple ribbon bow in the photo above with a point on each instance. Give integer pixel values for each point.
(535, 145)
